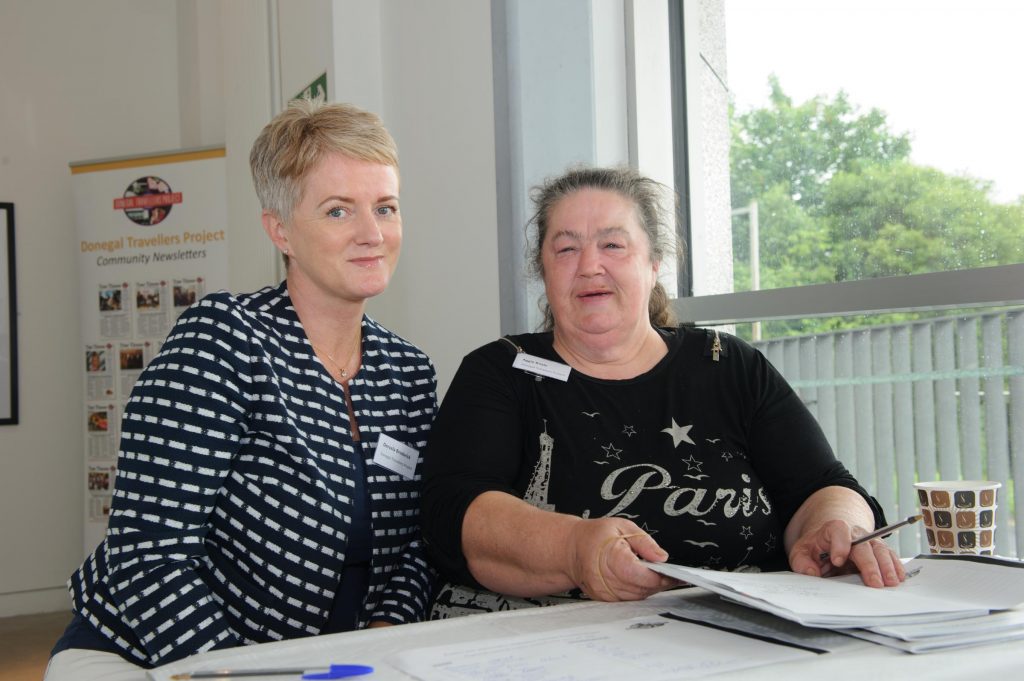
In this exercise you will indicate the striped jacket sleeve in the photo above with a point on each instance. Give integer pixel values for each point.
(180, 432)
(406, 597)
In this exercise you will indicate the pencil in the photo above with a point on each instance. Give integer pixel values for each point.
(884, 531)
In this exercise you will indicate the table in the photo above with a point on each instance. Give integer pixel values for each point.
(861, 661)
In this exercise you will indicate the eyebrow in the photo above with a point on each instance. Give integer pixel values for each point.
(604, 231)
(346, 199)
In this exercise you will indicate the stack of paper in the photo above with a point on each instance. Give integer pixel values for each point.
(923, 638)
(947, 603)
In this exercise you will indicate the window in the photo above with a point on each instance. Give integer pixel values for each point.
(856, 200)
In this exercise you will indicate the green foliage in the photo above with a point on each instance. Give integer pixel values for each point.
(901, 219)
(802, 147)
(838, 199)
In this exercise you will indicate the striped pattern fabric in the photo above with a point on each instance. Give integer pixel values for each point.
(234, 485)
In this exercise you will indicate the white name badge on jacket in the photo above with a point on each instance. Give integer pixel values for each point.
(396, 456)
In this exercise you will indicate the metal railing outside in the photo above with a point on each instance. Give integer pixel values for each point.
(932, 399)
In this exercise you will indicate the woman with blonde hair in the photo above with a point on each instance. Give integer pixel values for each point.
(267, 482)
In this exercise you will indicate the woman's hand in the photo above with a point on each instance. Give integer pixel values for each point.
(517, 549)
(877, 564)
(604, 560)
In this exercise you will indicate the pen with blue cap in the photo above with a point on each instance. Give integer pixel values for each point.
(335, 671)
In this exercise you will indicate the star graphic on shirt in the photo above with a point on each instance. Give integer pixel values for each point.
(746, 532)
(679, 433)
(611, 451)
(647, 529)
(629, 431)
(770, 544)
(693, 464)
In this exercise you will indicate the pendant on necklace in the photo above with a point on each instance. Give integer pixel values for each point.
(343, 370)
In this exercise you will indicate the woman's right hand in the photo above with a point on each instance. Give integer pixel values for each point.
(604, 560)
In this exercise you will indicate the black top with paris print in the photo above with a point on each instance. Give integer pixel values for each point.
(711, 453)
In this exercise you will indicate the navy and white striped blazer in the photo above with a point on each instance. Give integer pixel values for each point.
(233, 491)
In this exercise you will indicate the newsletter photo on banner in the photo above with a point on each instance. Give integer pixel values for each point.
(151, 242)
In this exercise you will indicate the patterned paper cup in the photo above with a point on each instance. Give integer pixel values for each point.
(959, 515)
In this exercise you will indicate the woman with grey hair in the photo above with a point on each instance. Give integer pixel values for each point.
(267, 485)
(561, 460)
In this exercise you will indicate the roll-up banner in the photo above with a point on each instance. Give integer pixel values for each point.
(151, 241)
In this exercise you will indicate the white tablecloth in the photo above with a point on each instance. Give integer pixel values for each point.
(377, 647)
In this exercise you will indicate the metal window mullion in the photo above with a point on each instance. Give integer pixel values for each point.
(997, 435)
(793, 363)
(903, 440)
(807, 351)
(867, 471)
(775, 352)
(946, 403)
(924, 404)
(1015, 343)
(881, 411)
(970, 404)
(846, 426)
(826, 370)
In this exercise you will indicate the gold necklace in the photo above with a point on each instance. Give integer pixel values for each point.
(341, 369)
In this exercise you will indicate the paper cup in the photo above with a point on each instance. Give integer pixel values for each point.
(959, 515)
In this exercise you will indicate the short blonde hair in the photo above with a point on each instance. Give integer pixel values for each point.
(298, 138)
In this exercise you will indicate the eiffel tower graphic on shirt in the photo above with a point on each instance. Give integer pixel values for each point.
(537, 491)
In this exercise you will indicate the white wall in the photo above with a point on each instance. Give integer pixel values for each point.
(438, 104)
(248, 105)
(78, 81)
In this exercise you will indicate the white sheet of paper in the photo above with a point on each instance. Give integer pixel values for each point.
(651, 648)
(941, 586)
(1009, 620)
(805, 595)
(936, 643)
(719, 612)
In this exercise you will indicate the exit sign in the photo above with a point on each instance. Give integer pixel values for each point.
(315, 90)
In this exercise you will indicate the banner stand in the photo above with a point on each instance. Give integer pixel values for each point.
(151, 240)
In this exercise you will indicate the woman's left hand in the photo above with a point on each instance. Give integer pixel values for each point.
(877, 564)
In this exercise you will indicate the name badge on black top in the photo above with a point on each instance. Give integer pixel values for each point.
(538, 366)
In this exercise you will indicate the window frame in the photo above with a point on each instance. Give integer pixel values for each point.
(985, 286)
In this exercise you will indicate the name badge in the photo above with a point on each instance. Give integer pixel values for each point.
(396, 456)
(541, 367)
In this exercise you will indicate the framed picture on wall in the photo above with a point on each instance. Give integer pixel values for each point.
(8, 320)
